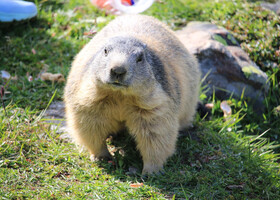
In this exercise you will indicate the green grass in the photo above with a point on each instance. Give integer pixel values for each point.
(216, 159)
(211, 162)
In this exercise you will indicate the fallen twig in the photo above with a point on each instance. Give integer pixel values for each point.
(2, 94)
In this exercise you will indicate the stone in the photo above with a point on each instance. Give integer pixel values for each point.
(226, 69)
(273, 6)
(55, 115)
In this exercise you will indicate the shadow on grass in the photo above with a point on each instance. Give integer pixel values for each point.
(206, 165)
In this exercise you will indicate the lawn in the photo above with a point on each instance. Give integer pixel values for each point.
(215, 159)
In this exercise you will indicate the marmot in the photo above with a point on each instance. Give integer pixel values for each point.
(134, 73)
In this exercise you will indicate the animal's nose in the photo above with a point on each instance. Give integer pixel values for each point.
(118, 72)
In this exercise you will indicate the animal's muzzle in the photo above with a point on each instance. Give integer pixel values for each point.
(117, 74)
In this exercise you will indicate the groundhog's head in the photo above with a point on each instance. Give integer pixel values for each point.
(122, 63)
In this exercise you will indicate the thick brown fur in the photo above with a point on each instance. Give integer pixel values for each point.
(153, 102)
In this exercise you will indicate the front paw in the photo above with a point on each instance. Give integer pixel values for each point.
(95, 158)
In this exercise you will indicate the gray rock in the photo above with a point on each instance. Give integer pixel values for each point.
(273, 6)
(226, 68)
(56, 110)
(55, 114)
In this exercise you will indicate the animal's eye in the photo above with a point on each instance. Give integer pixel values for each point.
(106, 52)
(139, 58)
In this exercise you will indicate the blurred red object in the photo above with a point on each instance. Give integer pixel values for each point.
(107, 4)
(128, 2)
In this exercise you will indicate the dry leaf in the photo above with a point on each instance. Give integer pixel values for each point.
(33, 51)
(231, 187)
(89, 33)
(52, 77)
(136, 185)
(226, 109)
(209, 105)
